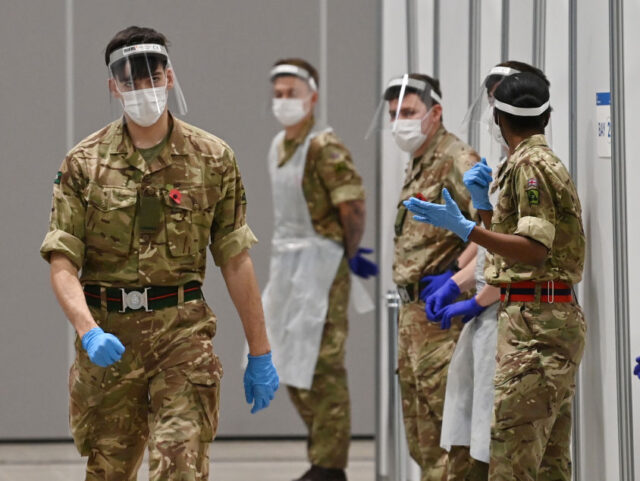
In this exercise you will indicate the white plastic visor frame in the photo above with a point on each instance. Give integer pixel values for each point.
(521, 111)
(501, 70)
(413, 83)
(288, 69)
(137, 49)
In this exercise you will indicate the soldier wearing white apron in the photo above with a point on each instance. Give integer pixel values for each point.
(319, 216)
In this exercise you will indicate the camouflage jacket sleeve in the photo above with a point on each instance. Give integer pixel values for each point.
(455, 184)
(230, 235)
(535, 203)
(67, 221)
(338, 173)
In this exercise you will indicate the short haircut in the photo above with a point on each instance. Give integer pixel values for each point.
(134, 36)
(433, 83)
(299, 62)
(527, 90)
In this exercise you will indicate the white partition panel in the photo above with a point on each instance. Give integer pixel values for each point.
(521, 30)
(598, 428)
(454, 61)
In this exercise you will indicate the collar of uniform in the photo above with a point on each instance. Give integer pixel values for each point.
(289, 146)
(538, 140)
(419, 163)
(124, 154)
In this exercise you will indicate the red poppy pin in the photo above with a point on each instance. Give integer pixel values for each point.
(421, 197)
(175, 195)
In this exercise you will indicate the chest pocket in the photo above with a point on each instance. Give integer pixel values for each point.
(109, 219)
(188, 223)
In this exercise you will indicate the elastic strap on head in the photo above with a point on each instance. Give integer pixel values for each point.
(521, 111)
(288, 69)
(137, 49)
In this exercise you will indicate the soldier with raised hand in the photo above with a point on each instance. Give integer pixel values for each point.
(425, 259)
(319, 215)
(135, 206)
(537, 240)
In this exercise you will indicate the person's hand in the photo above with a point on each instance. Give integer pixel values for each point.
(447, 216)
(478, 179)
(362, 266)
(446, 294)
(434, 283)
(636, 370)
(103, 349)
(260, 381)
(469, 309)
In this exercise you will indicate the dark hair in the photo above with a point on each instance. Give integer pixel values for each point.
(133, 36)
(516, 65)
(523, 90)
(303, 64)
(394, 92)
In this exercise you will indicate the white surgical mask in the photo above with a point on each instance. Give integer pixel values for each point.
(408, 134)
(289, 111)
(145, 106)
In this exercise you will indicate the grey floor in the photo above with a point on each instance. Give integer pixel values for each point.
(231, 461)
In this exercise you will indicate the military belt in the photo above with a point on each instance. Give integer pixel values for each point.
(528, 291)
(411, 292)
(149, 298)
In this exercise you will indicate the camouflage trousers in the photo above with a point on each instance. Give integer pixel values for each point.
(539, 349)
(164, 392)
(326, 408)
(424, 352)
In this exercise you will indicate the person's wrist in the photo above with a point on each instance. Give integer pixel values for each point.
(89, 335)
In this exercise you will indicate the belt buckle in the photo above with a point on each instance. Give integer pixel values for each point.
(404, 294)
(135, 300)
(552, 298)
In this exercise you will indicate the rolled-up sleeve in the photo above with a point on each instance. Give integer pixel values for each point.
(67, 220)
(339, 175)
(536, 206)
(230, 234)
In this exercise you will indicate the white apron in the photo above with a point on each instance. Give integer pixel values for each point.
(302, 270)
(468, 402)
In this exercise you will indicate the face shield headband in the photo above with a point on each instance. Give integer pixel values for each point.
(288, 69)
(521, 111)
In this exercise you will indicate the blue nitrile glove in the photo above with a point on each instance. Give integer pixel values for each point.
(469, 309)
(103, 349)
(447, 216)
(446, 294)
(434, 283)
(478, 179)
(361, 266)
(636, 370)
(260, 381)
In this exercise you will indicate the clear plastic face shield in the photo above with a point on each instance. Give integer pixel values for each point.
(293, 93)
(142, 78)
(406, 111)
(479, 118)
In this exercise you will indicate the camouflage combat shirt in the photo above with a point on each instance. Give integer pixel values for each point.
(422, 249)
(330, 178)
(538, 200)
(198, 198)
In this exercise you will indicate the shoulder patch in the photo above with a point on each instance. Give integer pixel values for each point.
(58, 178)
(532, 184)
(341, 167)
(534, 196)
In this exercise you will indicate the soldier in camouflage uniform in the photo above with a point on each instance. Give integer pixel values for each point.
(424, 257)
(134, 207)
(537, 240)
(319, 221)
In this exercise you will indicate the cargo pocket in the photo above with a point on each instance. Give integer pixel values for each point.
(85, 397)
(188, 222)
(523, 393)
(206, 383)
(109, 218)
